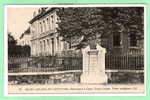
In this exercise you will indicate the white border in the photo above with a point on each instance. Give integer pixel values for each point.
(86, 5)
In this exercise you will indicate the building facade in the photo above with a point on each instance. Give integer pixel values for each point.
(25, 38)
(44, 36)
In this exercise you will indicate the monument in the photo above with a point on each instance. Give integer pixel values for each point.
(94, 65)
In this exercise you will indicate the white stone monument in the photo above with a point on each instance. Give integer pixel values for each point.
(94, 65)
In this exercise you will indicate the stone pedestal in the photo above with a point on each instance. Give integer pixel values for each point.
(94, 66)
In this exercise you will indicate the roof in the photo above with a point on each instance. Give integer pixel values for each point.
(26, 32)
(43, 13)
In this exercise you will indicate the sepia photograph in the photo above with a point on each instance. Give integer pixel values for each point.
(75, 49)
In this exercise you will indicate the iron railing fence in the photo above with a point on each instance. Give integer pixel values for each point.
(44, 64)
(63, 63)
(124, 62)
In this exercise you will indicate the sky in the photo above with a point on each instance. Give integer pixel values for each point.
(17, 20)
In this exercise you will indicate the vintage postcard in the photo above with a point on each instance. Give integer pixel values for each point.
(75, 49)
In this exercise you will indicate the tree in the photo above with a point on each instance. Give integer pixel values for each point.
(125, 19)
(11, 45)
(83, 25)
(11, 40)
(17, 50)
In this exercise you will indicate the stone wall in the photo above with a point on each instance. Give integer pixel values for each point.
(71, 77)
(125, 77)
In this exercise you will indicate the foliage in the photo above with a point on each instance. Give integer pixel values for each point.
(17, 50)
(86, 24)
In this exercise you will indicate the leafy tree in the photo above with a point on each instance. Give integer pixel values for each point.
(125, 19)
(17, 50)
(11, 40)
(11, 44)
(80, 25)
(83, 25)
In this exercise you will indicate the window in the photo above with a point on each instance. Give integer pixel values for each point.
(52, 21)
(116, 39)
(41, 27)
(47, 23)
(133, 40)
(44, 45)
(44, 26)
(57, 43)
(50, 24)
(48, 42)
(52, 18)
(52, 46)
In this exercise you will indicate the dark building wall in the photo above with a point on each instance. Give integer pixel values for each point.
(124, 48)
